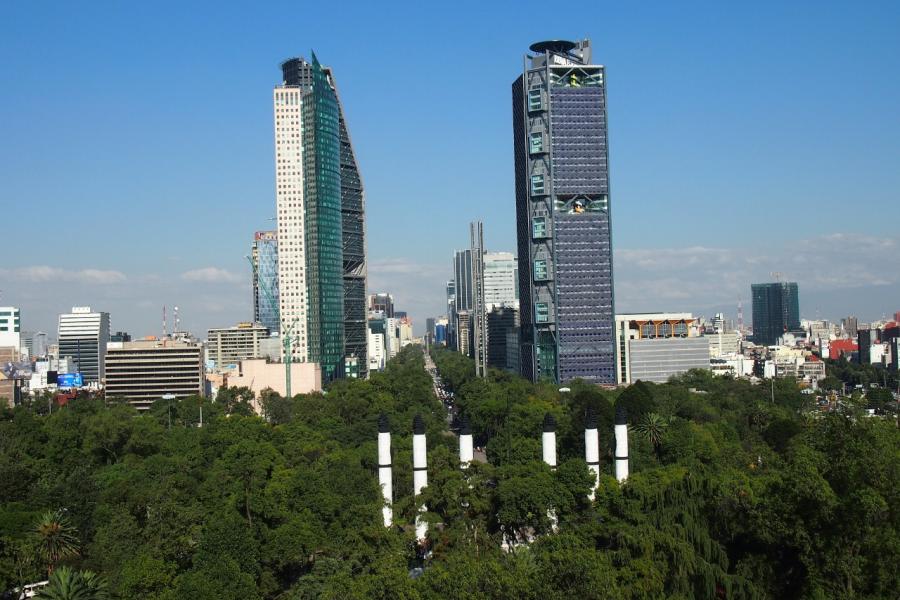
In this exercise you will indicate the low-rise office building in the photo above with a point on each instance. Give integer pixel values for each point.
(735, 365)
(655, 346)
(724, 343)
(144, 371)
(230, 345)
(812, 371)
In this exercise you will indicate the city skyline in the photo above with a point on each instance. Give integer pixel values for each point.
(178, 237)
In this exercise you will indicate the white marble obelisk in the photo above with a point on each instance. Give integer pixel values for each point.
(466, 450)
(592, 449)
(385, 472)
(621, 429)
(420, 472)
(549, 440)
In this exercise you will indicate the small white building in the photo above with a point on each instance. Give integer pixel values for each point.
(377, 352)
(736, 365)
(877, 353)
(10, 331)
(724, 343)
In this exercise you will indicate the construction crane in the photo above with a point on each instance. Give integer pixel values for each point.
(286, 328)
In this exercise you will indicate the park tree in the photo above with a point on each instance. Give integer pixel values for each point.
(57, 539)
(68, 584)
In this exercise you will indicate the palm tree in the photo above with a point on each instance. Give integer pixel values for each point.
(57, 538)
(68, 584)
(653, 427)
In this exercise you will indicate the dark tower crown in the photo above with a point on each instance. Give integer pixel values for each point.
(621, 415)
(418, 425)
(590, 419)
(549, 423)
(384, 426)
(560, 46)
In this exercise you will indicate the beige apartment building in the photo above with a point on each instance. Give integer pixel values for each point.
(258, 375)
(230, 345)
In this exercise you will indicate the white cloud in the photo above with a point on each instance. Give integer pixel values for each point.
(701, 276)
(212, 275)
(418, 288)
(46, 274)
(402, 266)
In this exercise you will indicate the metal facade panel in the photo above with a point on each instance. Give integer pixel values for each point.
(584, 308)
(656, 360)
(578, 122)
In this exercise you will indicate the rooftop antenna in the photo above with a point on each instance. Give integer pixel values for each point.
(165, 331)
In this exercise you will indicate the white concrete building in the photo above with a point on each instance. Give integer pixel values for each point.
(83, 336)
(877, 353)
(500, 280)
(10, 331)
(377, 351)
(736, 365)
(724, 343)
(812, 371)
(229, 345)
(289, 204)
(392, 336)
(655, 346)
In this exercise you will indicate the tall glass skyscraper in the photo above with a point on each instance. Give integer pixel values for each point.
(321, 229)
(501, 287)
(776, 310)
(83, 337)
(563, 215)
(264, 254)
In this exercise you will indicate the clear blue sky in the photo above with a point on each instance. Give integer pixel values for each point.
(136, 146)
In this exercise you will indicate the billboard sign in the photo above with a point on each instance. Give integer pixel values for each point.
(70, 380)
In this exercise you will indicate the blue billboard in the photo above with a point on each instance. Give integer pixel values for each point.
(69, 380)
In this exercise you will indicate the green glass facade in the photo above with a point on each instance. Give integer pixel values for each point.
(322, 191)
(332, 285)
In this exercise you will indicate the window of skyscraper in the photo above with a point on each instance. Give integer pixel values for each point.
(541, 312)
(539, 227)
(536, 142)
(537, 184)
(535, 99)
(540, 269)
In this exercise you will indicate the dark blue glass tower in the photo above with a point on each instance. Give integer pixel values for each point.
(776, 310)
(563, 215)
